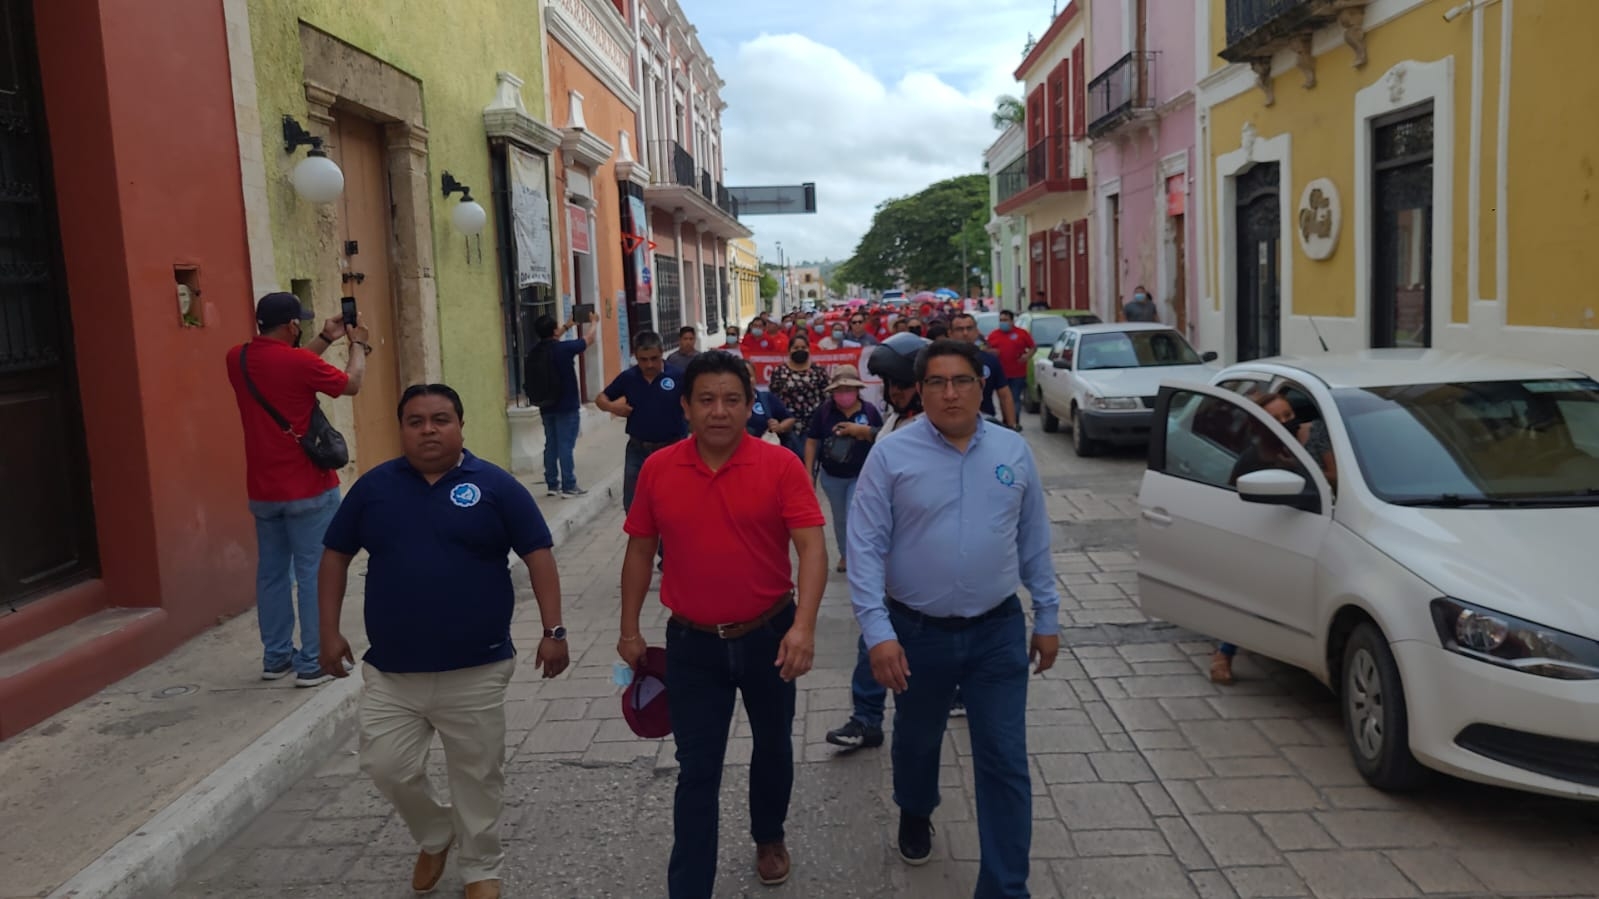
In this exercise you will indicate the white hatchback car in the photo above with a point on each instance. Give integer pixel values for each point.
(1429, 567)
(1102, 379)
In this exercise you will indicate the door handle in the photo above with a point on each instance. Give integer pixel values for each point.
(1156, 516)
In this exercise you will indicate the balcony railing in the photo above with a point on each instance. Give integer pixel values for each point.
(1118, 92)
(1012, 179)
(1038, 162)
(707, 188)
(671, 164)
(725, 200)
(1258, 28)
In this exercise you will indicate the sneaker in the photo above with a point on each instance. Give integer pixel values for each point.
(957, 707)
(277, 673)
(574, 493)
(312, 680)
(915, 839)
(551, 491)
(855, 735)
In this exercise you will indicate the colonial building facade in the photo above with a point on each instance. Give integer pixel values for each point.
(1005, 161)
(689, 212)
(1141, 126)
(1363, 158)
(1048, 186)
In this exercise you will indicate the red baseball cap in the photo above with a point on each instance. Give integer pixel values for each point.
(644, 700)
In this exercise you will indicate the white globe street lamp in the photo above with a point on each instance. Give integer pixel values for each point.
(315, 178)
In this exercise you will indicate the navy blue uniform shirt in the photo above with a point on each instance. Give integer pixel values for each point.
(993, 379)
(821, 430)
(767, 408)
(438, 592)
(657, 405)
(565, 352)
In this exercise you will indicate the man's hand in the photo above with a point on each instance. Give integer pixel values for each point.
(333, 328)
(631, 649)
(773, 425)
(1045, 647)
(356, 332)
(621, 408)
(795, 653)
(335, 654)
(851, 429)
(889, 666)
(570, 324)
(551, 656)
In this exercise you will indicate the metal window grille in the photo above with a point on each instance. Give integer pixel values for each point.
(713, 308)
(668, 293)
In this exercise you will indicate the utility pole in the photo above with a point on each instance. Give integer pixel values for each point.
(966, 270)
(782, 282)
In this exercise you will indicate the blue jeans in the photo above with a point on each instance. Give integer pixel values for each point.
(987, 661)
(702, 673)
(869, 696)
(1227, 649)
(632, 461)
(839, 493)
(1018, 389)
(288, 541)
(560, 439)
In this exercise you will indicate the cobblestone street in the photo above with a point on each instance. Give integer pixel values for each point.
(1148, 780)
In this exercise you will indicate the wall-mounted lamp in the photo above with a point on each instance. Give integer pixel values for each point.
(316, 178)
(468, 216)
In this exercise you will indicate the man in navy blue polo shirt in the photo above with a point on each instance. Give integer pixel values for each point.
(437, 524)
(963, 327)
(561, 414)
(650, 396)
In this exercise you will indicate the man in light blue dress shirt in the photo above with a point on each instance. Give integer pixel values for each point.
(948, 518)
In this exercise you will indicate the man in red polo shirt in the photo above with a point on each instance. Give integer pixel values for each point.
(1014, 347)
(735, 625)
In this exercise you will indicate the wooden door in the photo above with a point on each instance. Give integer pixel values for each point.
(366, 231)
(1080, 280)
(47, 533)
(1179, 290)
(1259, 296)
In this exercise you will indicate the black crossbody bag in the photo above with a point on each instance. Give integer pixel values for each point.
(323, 444)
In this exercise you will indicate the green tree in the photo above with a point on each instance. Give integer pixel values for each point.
(1008, 111)
(913, 237)
(974, 243)
(768, 286)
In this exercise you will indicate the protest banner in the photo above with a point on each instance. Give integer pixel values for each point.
(824, 359)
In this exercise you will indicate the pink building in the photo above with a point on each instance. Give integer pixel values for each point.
(1141, 128)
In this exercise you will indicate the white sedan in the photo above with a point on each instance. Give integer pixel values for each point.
(1103, 379)
(1426, 560)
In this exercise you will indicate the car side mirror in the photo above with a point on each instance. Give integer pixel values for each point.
(1063, 364)
(1277, 487)
(1209, 357)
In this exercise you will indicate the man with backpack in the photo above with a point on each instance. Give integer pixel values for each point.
(549, 379)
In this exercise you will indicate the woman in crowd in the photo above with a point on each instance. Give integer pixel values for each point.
(801, 385)
(840, 436)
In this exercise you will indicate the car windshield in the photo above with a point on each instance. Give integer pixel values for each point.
(1482, 443)
(1046, 329)
(1134, 349)
(987, 322)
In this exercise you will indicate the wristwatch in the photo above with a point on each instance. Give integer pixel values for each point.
(555, 633)
(363, 345)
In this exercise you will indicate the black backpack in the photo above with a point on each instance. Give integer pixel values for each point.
(541, 382)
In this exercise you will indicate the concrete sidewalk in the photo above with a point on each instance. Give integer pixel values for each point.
(125, 792)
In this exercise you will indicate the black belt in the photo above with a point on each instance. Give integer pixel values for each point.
(647, 446)
(1010, 605)
(738, 629)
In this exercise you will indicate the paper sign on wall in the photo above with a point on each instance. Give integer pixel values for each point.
(530, 217)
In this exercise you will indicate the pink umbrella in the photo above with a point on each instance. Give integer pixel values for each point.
(926, 296)
(856, 303)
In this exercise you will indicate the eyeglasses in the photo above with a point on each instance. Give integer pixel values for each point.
(961, 383)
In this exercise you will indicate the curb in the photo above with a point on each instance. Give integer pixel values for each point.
(161, 854)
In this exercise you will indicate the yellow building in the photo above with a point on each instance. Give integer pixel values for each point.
(744, 277)
(1372, 170)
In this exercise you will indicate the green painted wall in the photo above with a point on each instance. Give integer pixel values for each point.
(455, 56)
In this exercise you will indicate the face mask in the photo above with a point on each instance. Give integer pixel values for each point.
(1140, 297)
(732, 340)
(838, 333)
(299, 332)
(819, 327)
(800, 356)
(844, 399)
(917, 331)
(1005, 326)
(756, 332)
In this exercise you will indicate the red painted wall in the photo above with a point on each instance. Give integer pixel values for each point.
(140, 109)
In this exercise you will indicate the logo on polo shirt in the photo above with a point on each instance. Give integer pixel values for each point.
(985, 372)
(1004, 475)
(668, 383)
(760, 409)
(467, 495)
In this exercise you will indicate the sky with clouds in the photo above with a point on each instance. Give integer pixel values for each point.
(870, 99)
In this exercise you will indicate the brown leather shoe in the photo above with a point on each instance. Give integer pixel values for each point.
(483, 889)
(429, 869)
(771, 863)
(1221, 669)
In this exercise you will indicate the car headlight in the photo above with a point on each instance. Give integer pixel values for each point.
(1114, 402)
(1512, 642)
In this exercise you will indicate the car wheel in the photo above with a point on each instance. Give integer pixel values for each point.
(1034, 403)
(1081, 444)
(1375, 719)
(1051, 423)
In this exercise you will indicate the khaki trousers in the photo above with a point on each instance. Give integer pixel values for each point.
(399, 715)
